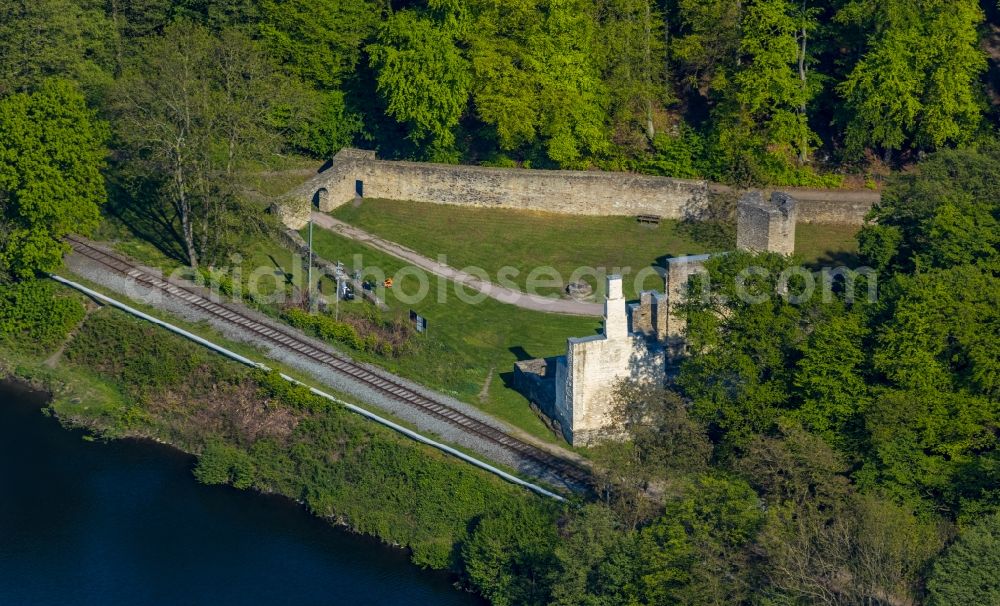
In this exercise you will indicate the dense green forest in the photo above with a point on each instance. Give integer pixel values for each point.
(779, 91)
(809, 451)
(198, 92)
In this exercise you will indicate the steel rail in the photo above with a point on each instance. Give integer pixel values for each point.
(386, 387)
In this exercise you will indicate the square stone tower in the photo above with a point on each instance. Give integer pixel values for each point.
(766, 225)
(587, 375)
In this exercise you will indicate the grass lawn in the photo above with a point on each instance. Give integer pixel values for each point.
(494, 238)
(469, 349)
(820, 244)
(279, 174)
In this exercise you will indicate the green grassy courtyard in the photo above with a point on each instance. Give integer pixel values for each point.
(492, 239)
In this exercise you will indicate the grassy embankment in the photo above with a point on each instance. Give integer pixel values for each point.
(469, 350)
(122, 377)
(494, 238)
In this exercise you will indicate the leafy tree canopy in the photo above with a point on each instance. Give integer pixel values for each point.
(52, 151)
(944, 213)
(965, 575)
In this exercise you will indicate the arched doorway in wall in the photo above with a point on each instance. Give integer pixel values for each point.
(320, 198)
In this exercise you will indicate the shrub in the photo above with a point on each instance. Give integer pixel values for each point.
(325, 328)
(223, 464)
(679, 156)
(273, 386)
(34, 318)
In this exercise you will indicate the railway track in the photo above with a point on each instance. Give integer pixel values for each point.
(543, 463)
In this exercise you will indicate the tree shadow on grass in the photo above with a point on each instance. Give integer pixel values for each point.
(289, 278)
(839, 258)
(148, 221)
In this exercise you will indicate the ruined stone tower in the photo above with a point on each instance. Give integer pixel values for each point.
(587, 375)
(766, 225)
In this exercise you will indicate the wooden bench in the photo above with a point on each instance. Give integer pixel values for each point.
(650, 219)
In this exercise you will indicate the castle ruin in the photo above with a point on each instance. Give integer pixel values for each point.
(639, 340)
(355, 172)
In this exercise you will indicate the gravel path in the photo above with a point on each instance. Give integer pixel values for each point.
(494, 291)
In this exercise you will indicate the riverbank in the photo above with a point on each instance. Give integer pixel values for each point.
(112, 523)
(118, 378)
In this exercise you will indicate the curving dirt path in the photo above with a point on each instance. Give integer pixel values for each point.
(494, 291)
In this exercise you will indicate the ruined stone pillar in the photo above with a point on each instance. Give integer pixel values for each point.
(615, 316)
(766, 225)
(642, 314)
(679, 272)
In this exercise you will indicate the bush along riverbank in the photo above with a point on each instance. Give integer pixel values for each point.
(120, 377)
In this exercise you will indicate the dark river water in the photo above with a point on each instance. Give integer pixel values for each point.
(126, 523)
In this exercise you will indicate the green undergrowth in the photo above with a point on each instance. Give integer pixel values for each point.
(120, 376)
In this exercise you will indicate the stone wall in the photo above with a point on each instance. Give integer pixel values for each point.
(355, 172)
(292, 214)
(838, 206)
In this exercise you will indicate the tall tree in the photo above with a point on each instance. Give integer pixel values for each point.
(830, 375)
(707, 43)
(917, 84)
(190, 111)
(596, 562)
(505, 72)
(423, 77)
(944, 213)
(742, 336)
(965, 575)
(697, 552)
(132, 20)
(52, 151)
(537, 79)
(509, 557)
(319, 40)
(635, 65)
(765, 116)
